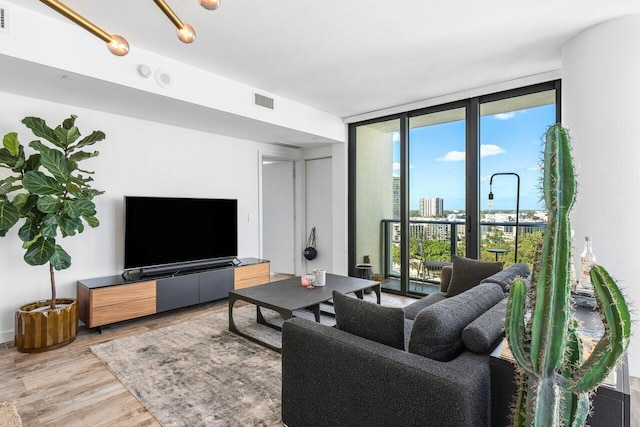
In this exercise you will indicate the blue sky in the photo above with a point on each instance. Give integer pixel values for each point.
(510, 142)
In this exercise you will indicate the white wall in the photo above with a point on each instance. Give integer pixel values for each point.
(318, 201)
(601, 107)
(137, 158)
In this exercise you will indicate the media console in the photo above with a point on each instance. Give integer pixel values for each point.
(106, 300)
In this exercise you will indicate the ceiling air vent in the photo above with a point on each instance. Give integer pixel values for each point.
(263, 101)
(4, 19)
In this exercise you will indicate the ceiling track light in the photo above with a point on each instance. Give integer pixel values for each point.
(118, 45)
(185, 32)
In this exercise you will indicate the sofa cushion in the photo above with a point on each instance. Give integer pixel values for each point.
(467, 273)
(480, 335)
(369, 320)
(445, 278)
(437, 330)
(412, 310)
(505, 277)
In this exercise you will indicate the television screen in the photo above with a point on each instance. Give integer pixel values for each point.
(164, 230)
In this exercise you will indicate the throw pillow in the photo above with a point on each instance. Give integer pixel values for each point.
(369, 320)
(505, 277)
(467, 273)
(437, 330)
(481, 334)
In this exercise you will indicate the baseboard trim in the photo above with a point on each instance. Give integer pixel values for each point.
(7, 336)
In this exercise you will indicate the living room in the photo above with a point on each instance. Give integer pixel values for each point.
(204, 137)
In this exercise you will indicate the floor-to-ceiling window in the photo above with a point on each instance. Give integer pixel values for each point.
(419, 183)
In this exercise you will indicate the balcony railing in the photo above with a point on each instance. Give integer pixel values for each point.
(433, 242)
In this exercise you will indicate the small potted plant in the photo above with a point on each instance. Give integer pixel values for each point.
(51, 196)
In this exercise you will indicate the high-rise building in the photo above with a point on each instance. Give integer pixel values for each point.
(431, 207)
(396, 197)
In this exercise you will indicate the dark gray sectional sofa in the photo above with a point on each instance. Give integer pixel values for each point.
(332, 377)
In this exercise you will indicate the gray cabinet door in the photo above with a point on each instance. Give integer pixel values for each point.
(216, 284)
(176, 292)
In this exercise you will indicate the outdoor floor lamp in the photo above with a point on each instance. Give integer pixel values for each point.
(490, 204)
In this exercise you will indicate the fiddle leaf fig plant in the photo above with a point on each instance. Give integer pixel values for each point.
(48, 191)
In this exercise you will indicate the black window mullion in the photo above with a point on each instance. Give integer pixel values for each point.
(404, 204)
(472, 179)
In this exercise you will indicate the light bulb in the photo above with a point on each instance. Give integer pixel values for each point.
(210, 4)
(186, 33)
(118, 45)
(490, 203)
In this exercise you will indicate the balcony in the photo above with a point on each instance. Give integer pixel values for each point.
(433, 243)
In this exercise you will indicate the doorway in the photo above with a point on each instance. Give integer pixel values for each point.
(278, 214)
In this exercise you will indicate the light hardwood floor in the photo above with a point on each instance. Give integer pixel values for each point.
(71, 387)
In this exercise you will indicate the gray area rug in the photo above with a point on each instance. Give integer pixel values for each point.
(197, 373)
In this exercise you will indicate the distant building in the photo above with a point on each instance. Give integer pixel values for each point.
(396, 197)
(431, 207)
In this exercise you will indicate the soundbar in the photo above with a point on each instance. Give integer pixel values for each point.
(186, 266)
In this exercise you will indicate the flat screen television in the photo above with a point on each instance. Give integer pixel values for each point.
(175, 232)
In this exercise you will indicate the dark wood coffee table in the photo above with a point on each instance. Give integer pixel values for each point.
(286, 296)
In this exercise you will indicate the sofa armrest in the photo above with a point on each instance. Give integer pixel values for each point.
(330, 377)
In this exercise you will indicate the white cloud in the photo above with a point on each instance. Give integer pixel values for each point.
(534, 168)
(396, 166)
(505, 116)
(452, 156)
(487, 150)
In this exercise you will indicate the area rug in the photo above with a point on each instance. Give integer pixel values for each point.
(197, 373)
(9, 416)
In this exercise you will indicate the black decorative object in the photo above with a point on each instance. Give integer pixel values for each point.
(310, 251)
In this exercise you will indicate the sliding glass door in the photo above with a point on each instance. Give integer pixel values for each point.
(511, 140)
(436, 194)
(377, 205)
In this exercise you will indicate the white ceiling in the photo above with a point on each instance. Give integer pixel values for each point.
(349, 57)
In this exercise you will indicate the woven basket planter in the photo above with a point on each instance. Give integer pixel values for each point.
(38, 328)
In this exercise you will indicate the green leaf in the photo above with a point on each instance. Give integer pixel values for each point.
(9, 215)
(38, 146)
(11, 143)
(96, 135)
(83, 155)
(55, 162)
(69, 226)
(48, 204)
(6, 185)
(92, 221)
(32, 163)
(39, 183)
(79, 207)
(7, 159)
(67, 137)
(40, 251)
(60, 259)
(39, 128)
(70, 122)
(50, 226)
(25, 202)
(28, 231)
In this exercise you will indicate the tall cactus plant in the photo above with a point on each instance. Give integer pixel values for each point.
(555, 380)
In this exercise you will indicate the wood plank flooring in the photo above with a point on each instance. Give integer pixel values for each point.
(71, 387)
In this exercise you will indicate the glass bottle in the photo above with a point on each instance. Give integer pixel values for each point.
(587, 260)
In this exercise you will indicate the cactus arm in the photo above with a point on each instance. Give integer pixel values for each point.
(520, 406)
(615, 341)
(515, 325)
(551, 314)
(575, 407)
